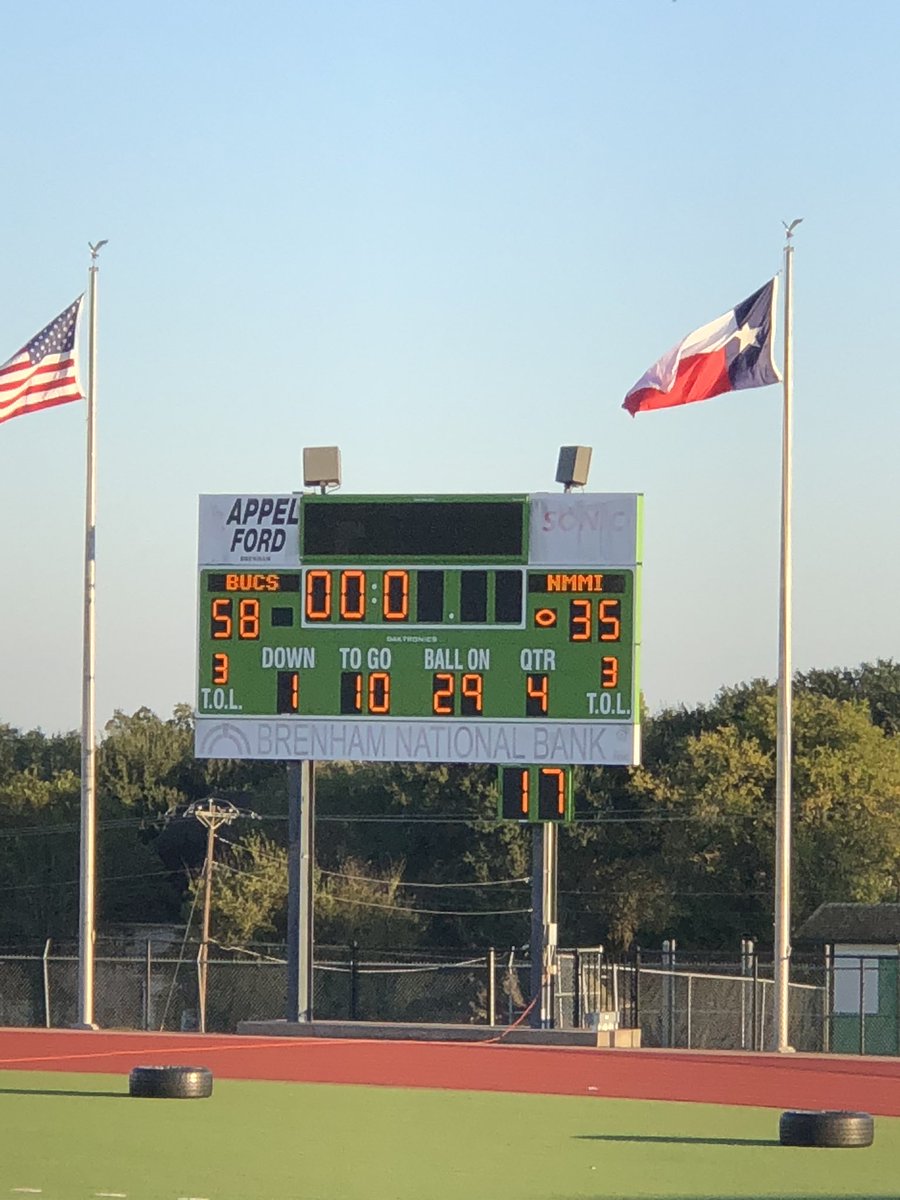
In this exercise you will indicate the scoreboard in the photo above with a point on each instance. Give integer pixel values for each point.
(420, 628)
(538, 794)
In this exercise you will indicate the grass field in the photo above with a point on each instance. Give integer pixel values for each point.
(78, 1137)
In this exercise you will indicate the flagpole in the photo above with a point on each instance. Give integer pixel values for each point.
(87, 870)
(783, 735)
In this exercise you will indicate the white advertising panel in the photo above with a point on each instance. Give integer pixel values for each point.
(572, 528)
(564, 743)
(247, 530)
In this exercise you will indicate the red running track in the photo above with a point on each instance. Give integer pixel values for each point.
(778, 1081)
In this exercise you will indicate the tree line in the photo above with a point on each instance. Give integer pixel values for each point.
(411, 856)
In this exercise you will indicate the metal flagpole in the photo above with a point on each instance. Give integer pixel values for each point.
(783, 736)
(88, 764)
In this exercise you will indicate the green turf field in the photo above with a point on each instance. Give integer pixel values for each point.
(75, 1137)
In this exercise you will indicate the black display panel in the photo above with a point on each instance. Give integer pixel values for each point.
(430, 608)
(414, 529)
(473, 596)
(508, 597)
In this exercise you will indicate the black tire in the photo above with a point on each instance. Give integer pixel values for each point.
(171, 1083)
(826, 1129)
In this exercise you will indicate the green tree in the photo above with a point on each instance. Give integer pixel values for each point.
(440, 821)
(846, 805)
(614, 888)
(364, 904)
(39, 824)
(709, 809)
(146, 764)
(249, 892)
(875, 684)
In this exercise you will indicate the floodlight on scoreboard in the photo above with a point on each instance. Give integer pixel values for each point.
(436, 628)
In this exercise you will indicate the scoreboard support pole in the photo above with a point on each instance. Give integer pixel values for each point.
(301, 824)
(544, 924)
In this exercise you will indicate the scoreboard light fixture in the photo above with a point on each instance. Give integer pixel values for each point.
(573, 466)
(321, 466)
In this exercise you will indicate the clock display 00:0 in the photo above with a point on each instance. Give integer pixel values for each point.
(420, 641)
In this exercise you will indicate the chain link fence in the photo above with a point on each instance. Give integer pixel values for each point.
(849, 1004)
(160, 990)
(697, 1010)
(725, 1003)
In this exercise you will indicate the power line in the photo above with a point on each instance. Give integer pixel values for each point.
(410, 883)
(396, 883)
(431, 912)
(387, 883)
(65, 883)
(72, 827)
(621, 817)
(612, 893)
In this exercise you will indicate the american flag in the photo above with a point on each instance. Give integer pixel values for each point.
(43, 373)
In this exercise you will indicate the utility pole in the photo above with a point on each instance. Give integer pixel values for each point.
(301, 857)
(213, 814)
(322, 470)
(783, 741)
(544, 922)
(88, 844)
(572, 469)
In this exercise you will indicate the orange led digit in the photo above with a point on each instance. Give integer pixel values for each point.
(608, 620)
(514, 794)
(442, 686)
(471, 704)
(221, 619)
(395, 590)
(318, 595)
(555, 777)
(248, 619)
(609, 671)
(379, 692)
(536, 694)
(351, 693)
(579, 620)
(220, 669)
(353, 595)
(287, 691)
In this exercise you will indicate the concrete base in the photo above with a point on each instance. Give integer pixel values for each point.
(629, 1039)
(395, 1031)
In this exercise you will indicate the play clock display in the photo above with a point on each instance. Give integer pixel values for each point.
(436, 628)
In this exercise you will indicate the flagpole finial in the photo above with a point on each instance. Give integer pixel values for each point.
(96, 247)
(788, 229)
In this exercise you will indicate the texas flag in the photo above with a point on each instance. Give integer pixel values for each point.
(730, 353)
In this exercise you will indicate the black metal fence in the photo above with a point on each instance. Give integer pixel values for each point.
(159, 990)
(846, 1004)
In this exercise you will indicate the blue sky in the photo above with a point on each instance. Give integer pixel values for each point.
(449, 237)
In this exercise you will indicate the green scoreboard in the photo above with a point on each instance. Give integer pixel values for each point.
(480, 628)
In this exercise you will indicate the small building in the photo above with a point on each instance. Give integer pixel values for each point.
(861, 943)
